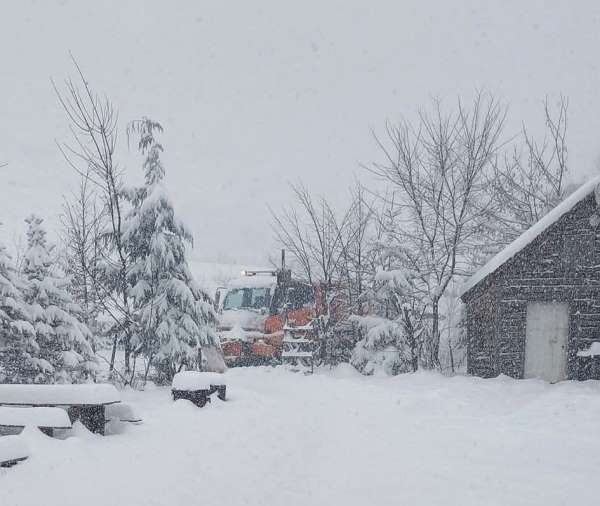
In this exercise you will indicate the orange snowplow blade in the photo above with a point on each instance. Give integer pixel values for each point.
(232, 348)
(263, 350)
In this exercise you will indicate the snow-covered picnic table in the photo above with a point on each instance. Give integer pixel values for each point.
(58, 395)
(197, 386)
(45, 418)
(85, 402)
(123, 412)
(13, 449)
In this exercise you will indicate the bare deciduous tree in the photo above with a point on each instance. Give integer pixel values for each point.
(391, 293)
(355, 248)
(530, 181)
(93, 124)
(438, 169)
(315, 236)
(83, 226)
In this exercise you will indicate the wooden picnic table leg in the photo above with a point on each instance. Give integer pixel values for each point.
(91, 416)
(49, 431)
(198, 397)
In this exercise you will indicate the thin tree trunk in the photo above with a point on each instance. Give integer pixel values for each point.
(147, 371)
(435, 333)
(113, 354)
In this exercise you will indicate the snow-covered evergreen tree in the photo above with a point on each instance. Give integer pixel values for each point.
(392, 334)
(83, 249)
(64, 354)
(18, 347)
(176, 318)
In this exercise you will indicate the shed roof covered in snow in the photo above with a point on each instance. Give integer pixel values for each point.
(530, 234)
(266, 280)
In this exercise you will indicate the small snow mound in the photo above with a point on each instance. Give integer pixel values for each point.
(80, 430)
(344, 371)
(150, 386)
(13, 448)
(114, 427)
(184, 406)
(504, 378)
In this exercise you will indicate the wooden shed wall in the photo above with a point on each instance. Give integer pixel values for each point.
(481, 332)
(560, 265)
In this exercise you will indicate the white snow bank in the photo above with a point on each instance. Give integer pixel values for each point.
(123, 412)
(196, 380)
(58, 395)
(530, 234)
(36, 417)
(417, 439)
(341, 371)
(13, 448)
(592, 351)
(80, 431)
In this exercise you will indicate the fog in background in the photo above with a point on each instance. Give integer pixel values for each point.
(254, 95)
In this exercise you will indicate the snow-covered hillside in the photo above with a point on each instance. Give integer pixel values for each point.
(334, 438)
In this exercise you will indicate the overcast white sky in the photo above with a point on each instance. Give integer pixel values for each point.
(255, 94)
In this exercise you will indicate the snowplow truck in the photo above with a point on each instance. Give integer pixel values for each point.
(253, 310)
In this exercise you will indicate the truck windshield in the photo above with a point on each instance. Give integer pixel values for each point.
(247, 298)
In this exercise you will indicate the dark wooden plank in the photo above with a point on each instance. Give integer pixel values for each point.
(13, 462)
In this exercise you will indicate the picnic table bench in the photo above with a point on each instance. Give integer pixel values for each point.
(85, 402)
(45, 418)
(12, 450)
(198, 386)
(122, 412)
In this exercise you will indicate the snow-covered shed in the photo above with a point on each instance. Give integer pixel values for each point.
(534, 309)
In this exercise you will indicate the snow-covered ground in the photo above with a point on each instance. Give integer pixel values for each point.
(334, 438)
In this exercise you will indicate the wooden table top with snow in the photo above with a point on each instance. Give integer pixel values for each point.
(197, 380)
(56, 418)
(59, 395)
(333, 438)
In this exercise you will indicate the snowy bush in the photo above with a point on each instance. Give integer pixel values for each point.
(61, 341)
(18, 347)
(382, 348)
(392, 335)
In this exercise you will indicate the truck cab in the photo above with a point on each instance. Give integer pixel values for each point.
(252, 311)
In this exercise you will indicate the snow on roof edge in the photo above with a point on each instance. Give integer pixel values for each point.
(254, 281)
(530, 234)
